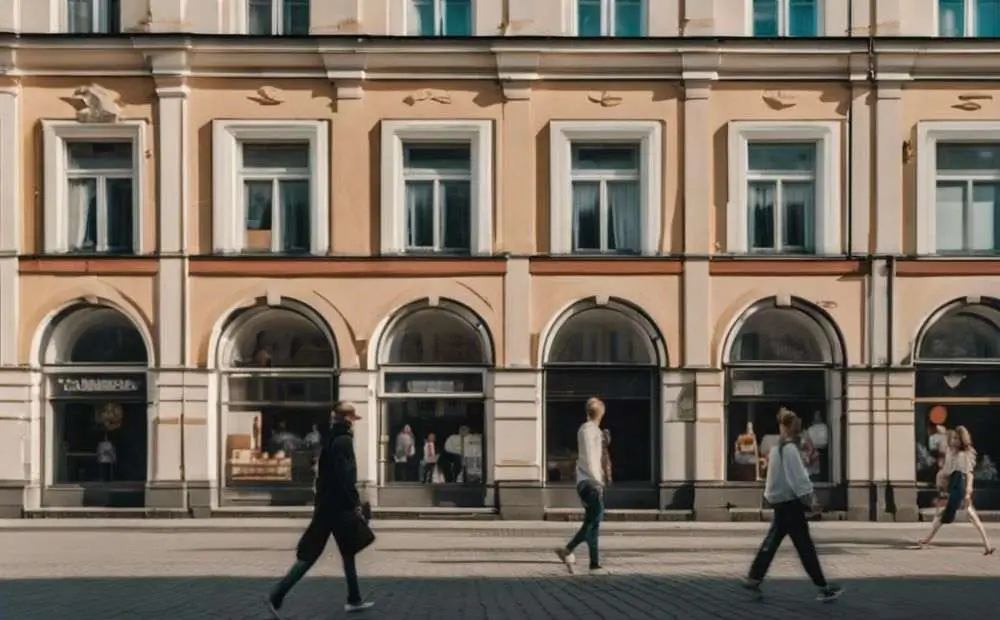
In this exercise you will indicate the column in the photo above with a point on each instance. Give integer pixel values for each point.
(858, 443)
(15, 392)
(169, 448)
(888, 169)
(708, 447)
(861, 167)
(677, 445)
(517, 171)
(358, 387)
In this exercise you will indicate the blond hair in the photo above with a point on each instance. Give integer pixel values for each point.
(964, 440)
(594, 407)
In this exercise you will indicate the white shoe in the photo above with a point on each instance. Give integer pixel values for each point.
(271, 609)
(568, 559)
(355, 607)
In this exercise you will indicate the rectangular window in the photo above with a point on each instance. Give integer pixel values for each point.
(277, 17)
(967, 197)
(969, 18)
(438, 180)
(610, 18)
(93, 16)
(100, 209)
(275, 181)
(607, 214)
(781, 196)
(785, 18)
(448, 18)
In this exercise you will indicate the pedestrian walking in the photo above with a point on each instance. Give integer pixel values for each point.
(589, 486)
(954, 481)
(337, 511)
(790, 493)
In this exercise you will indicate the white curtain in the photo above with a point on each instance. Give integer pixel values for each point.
(82, 215)
(760, 198)
(949, 221)
(982, 220)
(586, 216)
(420, 214)
(625, 218)
(799, 201)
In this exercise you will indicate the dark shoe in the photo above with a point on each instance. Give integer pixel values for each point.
(597, 569)
(359, 606)
(829, 594)
(753, 587)
(273, 606)
(990, 551)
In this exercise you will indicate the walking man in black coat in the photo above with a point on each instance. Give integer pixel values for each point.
(337, 504)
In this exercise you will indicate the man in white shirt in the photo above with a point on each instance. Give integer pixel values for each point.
(589, 486)
(790, 493)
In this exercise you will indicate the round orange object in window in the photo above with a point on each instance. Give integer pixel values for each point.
(938, 414)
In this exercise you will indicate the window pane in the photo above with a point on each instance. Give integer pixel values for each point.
(440, 158)
(281, 155)
(258, 196)
(82, 215)
(295, 227)
(988, 18)
(457, 215)
(982, 221)
(799, 199)
(588, 18)
(628, 18)
(765, 18)
(457, 18)
(121, 224)
(296, 17)
(420, 214)
(968, 156)
(949, 223)
(99, 155)
(951, 18)
(80, 16)
(586, 216)
(112, 17)
(624, 217)
(782, 156)
(606, 157)
(259, 17)
(420, 18)
(802, 18)
(761, 218)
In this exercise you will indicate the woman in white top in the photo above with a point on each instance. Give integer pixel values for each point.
(955, 480)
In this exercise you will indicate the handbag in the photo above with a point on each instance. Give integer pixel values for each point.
(352, 533)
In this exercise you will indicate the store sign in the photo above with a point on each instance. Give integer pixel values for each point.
(99, 386)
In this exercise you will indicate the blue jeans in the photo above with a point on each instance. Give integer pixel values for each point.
(592, 496)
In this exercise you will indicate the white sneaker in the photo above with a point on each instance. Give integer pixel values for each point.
(354, 607)
(568, 559)
(271, 609)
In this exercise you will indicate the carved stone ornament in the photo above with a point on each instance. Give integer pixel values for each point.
(972, 102)
(427, 94)
(267, 95)
(605, 99)
(100, 105)
(778, 100)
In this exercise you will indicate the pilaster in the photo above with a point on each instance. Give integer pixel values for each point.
(517, 314)
(517, 442)
(358, 388)
(860, 169)
(698, 156)
(677, 411)
(10, 219)
(889, 150)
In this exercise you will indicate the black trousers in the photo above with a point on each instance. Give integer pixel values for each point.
(790, 520)
(313, 543)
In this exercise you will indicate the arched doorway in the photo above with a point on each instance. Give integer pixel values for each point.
(278, 384)
(783, 356)
(95, 363)
(613, 352)
(434, 362)
(958, 384)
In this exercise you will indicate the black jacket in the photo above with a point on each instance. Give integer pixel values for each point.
(337, 472)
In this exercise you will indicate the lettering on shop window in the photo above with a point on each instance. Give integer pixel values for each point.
(76, 386)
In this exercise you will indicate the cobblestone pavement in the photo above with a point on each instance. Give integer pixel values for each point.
(683, 573)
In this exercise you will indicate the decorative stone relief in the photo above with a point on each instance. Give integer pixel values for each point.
(605, 100)
(971, 102)
(267, 95)
(99, 105)
(428, 94)
(778, 100)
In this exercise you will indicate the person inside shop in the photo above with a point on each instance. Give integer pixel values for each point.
(283, 440)
(403, 454)
(106, 459)
(428, 463)
(454, 450)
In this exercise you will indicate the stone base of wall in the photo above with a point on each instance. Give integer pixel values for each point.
(11, 499)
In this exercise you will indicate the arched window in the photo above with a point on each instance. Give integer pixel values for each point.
(95, 361)
(602, 336)
(278, 386)
(433, 406)
(782, 357)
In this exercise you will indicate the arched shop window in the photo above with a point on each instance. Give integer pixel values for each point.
(958, 384)
(95, 362)
(278, 384)
(433, 362)
(611, 351)
(782, 357)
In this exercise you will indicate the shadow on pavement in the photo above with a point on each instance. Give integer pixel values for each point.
(583, 597)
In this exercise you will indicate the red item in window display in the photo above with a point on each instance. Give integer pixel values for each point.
(109, 416)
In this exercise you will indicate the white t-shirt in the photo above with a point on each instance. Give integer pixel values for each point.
(787, 478)
(589, 442)
(106, 453)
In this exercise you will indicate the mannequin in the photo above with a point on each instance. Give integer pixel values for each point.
(405, 449)
(106, 459)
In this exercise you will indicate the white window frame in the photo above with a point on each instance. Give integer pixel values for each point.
(929, 133)
(647, 134)
(437, 177)
(228, 207)
(274, 176)
(242, 17)
(479, 135)
(409, 10)
(55, 135)
(784, 13)
(100, 10)
(609, 17)
(828, 215)
(971, 25)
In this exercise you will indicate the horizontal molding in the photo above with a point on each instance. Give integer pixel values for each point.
(385, 267)
(947, 267)
(103, 266)
(611, 266)
(787, 267)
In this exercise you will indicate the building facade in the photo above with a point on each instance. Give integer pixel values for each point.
(466, 217)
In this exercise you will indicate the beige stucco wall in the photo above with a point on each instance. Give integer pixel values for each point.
(51, 99)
